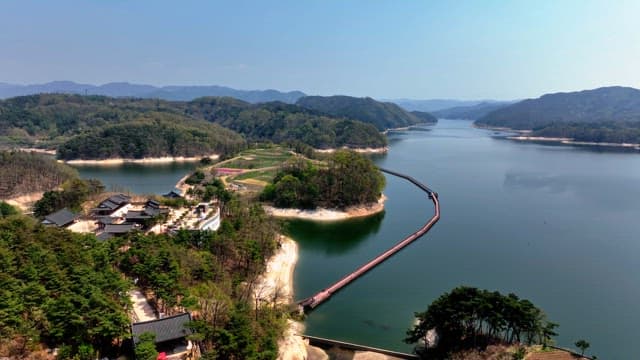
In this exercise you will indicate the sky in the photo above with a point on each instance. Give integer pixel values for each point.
(419, 49)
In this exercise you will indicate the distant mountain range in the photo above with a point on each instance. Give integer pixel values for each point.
(607, 104)
(383, 115)
(124, 89)
(431, 105)
(473, 112)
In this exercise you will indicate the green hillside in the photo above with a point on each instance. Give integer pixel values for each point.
(382, 115)
(52, 120)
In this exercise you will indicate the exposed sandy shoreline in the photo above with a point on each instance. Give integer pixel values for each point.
(24, 202)
(275, 286)
(158, 160)
(322, 214)
(570, 141)
(379, 150)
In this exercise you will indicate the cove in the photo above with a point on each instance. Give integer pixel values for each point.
(553, 224)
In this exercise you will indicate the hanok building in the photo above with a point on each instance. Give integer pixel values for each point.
(114, 206)
(151, 210)
(171, 335)
(60, 218)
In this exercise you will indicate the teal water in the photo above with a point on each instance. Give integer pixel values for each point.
(554, 224)
(138, 178)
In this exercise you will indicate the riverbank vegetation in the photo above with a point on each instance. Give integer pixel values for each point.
(608, 114)
(344, 179)
(98, 127)
(603, 132)
(152, 135)
(470, 318)
(22, 173)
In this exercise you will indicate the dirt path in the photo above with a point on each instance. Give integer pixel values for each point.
(141, 308)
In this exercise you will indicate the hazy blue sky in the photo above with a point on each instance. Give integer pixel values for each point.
(385, 49)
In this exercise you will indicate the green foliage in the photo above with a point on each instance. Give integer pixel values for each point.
(146, 347)
(22, 173)
(195, 178)
(582, 345)
(608, 104)
(348, 179)
(279, 122)
(469, 318)
(212, 273)
(59, 287)
(380, 114)
(602, 132)
(73, 194)
(97, 127)
(7, 210)
(152, 135)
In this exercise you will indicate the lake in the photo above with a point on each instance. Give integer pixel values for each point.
(557, 225)
(138, 178)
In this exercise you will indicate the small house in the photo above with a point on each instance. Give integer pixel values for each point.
(114, 206)
(171, 335)
(60, 218)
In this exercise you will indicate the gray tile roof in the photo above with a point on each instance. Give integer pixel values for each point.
(60, 218)
(169, 328)
(119, 228)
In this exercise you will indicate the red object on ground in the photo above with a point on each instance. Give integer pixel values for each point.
(162, 356)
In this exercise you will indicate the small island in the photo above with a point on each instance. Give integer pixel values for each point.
(345, 185)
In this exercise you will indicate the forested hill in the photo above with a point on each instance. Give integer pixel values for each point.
(152, 135)
(607, 104)
(22, 173)
(382, 115)
(50, 120)
(473, 112)
(124, 89)
(280, 122)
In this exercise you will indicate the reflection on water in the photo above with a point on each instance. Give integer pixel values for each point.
(342, 235)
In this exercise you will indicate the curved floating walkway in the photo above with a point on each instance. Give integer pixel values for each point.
(324, 295)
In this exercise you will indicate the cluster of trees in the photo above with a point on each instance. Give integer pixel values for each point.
(607, 104)
(22, 173)
(73, 193)
(52, 119)
(152, 135)
(611, 132)
(60, 289)
(213, 274)
(382, 115)
(468, 318)
(280, 122)
(68, 291)
(345, 179)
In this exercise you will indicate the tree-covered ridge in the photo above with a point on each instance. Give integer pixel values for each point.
(57, 288)
(280, 122)
(471, 112)
(152, 135)
(345, 179)
(606, 132)
(607, 104)
(51, 119)
(380, 114)
(425, 117)
(470, 318)
(22, 173)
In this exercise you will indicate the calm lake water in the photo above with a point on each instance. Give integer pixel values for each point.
(557, 225)
(138, 178)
